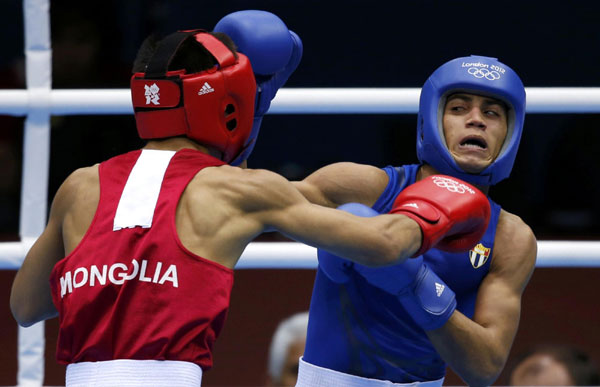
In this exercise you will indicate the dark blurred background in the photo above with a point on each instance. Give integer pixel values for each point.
(346, 44)
(554, 186)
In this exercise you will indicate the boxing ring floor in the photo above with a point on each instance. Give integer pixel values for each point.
(38, 102)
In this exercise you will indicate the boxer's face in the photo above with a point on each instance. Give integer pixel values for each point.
(475, 128)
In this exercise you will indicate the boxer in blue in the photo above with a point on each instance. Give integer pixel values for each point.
(179, 210)
(403, 324)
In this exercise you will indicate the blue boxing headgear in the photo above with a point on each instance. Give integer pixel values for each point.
(475, 75)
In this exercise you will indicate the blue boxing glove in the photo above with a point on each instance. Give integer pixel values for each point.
(274, 53)
(336, 268)
(423, 294)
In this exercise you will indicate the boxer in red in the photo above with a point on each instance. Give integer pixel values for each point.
(137, 258)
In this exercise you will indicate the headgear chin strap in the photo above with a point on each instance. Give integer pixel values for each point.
(477, 75)
(214, 107)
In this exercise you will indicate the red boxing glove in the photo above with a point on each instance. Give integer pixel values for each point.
(453, 214)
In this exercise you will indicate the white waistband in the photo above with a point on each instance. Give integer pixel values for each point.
(310, 375)
(124, 372)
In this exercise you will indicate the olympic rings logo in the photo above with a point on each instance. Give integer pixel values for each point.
(451, 185)
(484, 73)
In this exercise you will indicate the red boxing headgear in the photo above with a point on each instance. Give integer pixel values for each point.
(214, 107)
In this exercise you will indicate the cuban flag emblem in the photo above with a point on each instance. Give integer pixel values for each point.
(479, 255)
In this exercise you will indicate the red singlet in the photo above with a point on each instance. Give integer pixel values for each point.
(138, 293)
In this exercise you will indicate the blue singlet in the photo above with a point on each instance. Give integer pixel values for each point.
(361, 330)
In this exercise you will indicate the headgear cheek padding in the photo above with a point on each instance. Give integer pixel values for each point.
(477, 75)
(214, 107)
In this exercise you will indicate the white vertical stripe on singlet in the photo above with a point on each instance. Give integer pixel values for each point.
(139, 197)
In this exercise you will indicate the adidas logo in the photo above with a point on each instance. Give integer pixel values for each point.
(206, 88)
(439, 289)
(414, 205)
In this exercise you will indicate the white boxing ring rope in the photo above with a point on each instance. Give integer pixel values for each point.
(291, 101)
(39, 102)
(293, 255)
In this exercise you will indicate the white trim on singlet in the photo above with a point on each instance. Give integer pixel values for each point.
(130, 373)
(310, 375)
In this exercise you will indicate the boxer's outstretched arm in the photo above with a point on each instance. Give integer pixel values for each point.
(340, 183)
(272, 203)
(477, 349)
